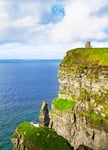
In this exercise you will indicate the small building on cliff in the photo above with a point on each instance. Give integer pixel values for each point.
(88, 44)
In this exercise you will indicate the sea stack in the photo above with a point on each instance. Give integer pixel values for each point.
(44, 115)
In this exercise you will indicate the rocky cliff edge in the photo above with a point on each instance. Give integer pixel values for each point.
(80, 111)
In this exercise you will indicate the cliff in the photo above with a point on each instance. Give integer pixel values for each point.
(29, 137)
(80, 111)
(79, 114)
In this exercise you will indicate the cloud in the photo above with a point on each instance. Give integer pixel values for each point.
(25, 16)
(28, 51)
(4, 16)
(27, 21)
(37, 29)
(79, 23)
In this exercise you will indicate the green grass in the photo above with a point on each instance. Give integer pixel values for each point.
(63, 104)
(62, 92)
(84, 94)
(96, 117)
(42, 137)
(93, 116)
(86, 57)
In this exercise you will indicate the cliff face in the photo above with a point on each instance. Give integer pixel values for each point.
(80, 112)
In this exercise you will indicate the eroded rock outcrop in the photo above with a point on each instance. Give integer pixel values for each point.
(44, 115)
(83, 78)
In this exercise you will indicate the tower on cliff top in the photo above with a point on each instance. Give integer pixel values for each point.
(88, 44)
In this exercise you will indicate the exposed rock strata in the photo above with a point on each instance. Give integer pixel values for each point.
(87, 83)
(83, 77)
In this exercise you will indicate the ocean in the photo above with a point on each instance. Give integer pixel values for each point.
(23, 87)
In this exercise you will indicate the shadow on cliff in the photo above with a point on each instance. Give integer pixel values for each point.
(83, 147)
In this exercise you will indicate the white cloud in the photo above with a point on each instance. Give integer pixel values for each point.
(34, 9)
(22, 51)
(4, 16)
(28, 21)
(79, 22)
(21, 22)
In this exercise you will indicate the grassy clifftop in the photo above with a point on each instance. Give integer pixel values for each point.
(63, 104)
(38, 138)
(87, 56)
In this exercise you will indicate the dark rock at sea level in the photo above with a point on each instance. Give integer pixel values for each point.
(44, 115)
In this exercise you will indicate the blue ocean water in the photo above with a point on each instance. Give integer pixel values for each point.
(23, 87)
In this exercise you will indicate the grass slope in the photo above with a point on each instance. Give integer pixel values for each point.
(87, 56)
(63, 104)
(42, 137)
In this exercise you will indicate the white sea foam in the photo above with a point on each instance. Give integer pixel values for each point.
(35, 124)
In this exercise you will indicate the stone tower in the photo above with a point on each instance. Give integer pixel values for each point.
(88, 44)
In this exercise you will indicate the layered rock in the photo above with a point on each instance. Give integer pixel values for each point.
(80, 111)
(83, 78)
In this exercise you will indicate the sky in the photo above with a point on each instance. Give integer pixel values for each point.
(46, 29)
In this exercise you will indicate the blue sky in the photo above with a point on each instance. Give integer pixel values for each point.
(46, 29)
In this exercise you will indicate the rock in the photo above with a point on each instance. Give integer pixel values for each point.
(44, 115)
(79, 113)
(82, 147)
(83, 79)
